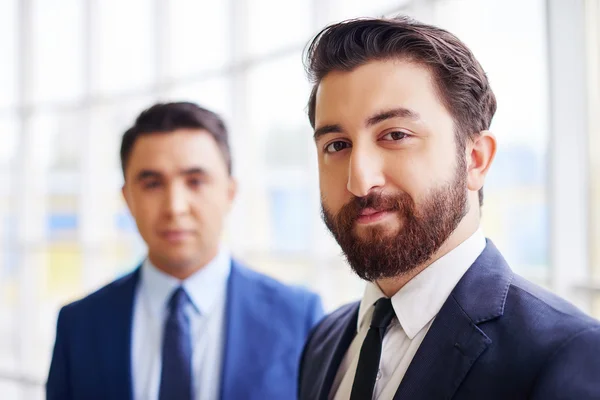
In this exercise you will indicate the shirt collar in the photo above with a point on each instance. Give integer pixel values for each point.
(203, 287)
(420, 300)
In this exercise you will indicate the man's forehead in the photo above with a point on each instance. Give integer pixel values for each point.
(180, 137)
(169, 163)
(375, 86)
(183, 145)
(378, 70)
(377, 76)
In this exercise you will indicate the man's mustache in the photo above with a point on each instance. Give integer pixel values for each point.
(375, 201)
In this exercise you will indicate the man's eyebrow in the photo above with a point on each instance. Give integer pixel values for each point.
(326, 129)
(147, 174)
(400, 112)
(194, 171)
(381, 116)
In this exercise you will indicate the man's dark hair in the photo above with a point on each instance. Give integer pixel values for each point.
(461, 83)
(169, 117)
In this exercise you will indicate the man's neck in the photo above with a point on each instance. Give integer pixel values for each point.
(391, 286)
(182, 271)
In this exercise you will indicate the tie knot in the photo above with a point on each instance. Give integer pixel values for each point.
(383, 314)
(178, 299)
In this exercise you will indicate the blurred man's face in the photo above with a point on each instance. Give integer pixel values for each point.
(178, 189)
(393, 180)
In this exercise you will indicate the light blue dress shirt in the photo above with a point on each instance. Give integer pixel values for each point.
(207, 289)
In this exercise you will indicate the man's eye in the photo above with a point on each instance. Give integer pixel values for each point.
(195, 182)
(336, 146)
(395, 136)
(151, 184)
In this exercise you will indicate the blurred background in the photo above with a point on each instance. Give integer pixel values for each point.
(75, 73)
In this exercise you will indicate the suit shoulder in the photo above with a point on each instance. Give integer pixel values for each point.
(550, 312)
(102, 296)
(273, 288)
(331, 321)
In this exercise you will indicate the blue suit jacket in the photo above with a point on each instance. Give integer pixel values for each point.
(267, 325)
(497, 336)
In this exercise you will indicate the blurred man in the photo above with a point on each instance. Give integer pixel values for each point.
(401, 112)
(190, 322)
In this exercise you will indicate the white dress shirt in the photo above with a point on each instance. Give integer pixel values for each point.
(207, 290)
(416, 306)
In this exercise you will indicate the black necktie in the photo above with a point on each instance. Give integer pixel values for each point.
(176, 374)
(370, 352)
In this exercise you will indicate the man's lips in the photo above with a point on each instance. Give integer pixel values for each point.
(370, 211)
(369, 215)
(175, 235)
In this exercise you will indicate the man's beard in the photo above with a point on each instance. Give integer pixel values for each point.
(380, 254)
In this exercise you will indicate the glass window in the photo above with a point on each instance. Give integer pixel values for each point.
(107, 124)
(8, 149)
(515, 213)
(7, 246)
(8, 52)
(58, 55)
(199, 36)
(338, 10)
(70, 133)
(281, 146)
(274, 24)
(214, 94)
(22, 235)
(123, 57)
(278, 93)
(113, 225)
(88, 236)
(593, 69)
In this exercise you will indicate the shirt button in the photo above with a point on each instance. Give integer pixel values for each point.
(378, 375)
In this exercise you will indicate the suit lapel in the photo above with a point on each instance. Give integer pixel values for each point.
(114, 334)
(242, 364)
(454, 341)
(339, 342)
(448, 351)
(234, 351)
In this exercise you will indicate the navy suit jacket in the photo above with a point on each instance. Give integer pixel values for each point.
(497, 336)
(267, 325)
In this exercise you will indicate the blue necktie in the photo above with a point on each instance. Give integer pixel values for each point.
(176, 374)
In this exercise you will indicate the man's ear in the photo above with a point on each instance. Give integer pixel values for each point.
(232, 190)
(480, 155)
(127, 198)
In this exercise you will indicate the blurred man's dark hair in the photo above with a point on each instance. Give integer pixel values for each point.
(169, 117)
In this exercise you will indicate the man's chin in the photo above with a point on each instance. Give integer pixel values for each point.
(368, 233)
(176, 259)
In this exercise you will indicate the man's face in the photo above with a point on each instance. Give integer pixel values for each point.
(393, 179)
(178, 189)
